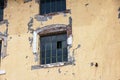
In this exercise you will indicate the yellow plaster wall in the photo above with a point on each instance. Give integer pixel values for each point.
(96, 28)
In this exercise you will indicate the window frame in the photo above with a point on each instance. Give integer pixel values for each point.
(50, 36)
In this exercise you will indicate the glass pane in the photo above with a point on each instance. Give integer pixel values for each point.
(65, 52)
(53, 59)
(1, 14)
(59, 52)
(54, 45)
(47, 60)
(58, 3)
(65, 58)
(54, 38)
(48, 4)
(64, 44)
(43, 61)
(48, 46)
(63, 6)
(42, 54)
(53, 53)
(42, 7)
(48, 53)
(42, 46)
(59, 59)
(47, 39)
(53, 6)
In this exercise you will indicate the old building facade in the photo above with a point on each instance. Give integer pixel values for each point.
(59, 40)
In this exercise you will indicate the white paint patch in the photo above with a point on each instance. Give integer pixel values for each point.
(34, 42)
(2, 72)
(69, 40)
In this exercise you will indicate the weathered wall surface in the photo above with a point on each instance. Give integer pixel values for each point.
(96, 28)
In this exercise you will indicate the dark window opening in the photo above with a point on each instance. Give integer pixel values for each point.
(50, 6)
(53, 48)
(59, 44)
(1, 9)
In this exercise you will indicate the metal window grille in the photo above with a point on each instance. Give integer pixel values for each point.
(53, 49)
(1, 9)
(0, 49)
(49, 6)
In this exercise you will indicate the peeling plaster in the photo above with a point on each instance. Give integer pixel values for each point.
(4, 45)
(48, 16)
(73, 55)
(3, 37)
(4, 22)
(59, 71)
(70, 21)
(31, 41)
(30, 25)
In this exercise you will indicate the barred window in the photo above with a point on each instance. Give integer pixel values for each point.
(49, 6)
(0, 48)
(53, 48)
(1, 9)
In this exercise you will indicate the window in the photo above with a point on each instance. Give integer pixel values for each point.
(49, 6)
(53, 49)
(1, 9)
(0, 48)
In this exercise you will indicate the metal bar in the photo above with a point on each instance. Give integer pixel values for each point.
(51, 54)
(45, 53)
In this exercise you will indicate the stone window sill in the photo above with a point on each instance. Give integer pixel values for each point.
(59, 64)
